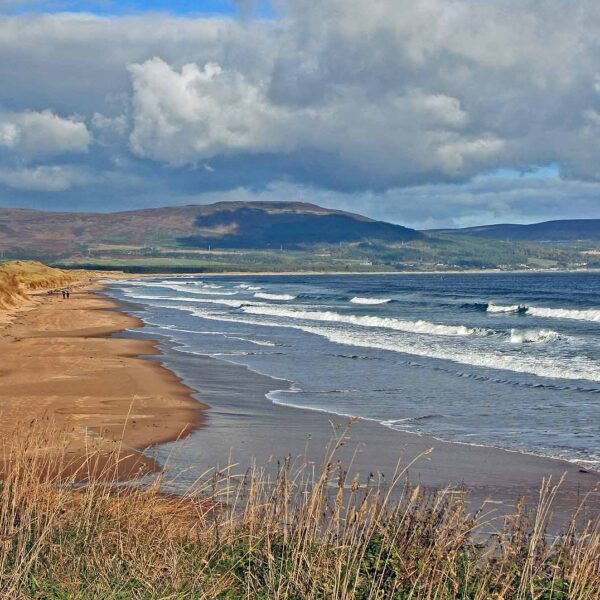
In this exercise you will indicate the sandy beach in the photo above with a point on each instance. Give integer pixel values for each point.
(60, 364)
(90, 383)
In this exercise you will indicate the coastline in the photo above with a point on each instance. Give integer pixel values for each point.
(247, 428)
(184, 274)
(86, 380)
(62, 365)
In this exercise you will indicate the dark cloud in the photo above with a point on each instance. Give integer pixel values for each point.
(395, 108)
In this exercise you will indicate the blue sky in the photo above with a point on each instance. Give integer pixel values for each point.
(112, 7)
(428, 114)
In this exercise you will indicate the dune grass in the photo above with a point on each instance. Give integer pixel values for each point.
(17, 277)
(305, 531)
(33, 275)
(11, 293)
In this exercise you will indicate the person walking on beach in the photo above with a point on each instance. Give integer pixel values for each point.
(68, 294)
(64, 293)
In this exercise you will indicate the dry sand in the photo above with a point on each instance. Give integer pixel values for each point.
(58, 363)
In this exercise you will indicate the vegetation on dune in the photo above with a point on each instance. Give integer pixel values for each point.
(17, 277)
(11, 293)
(33, 275)
(304, 532)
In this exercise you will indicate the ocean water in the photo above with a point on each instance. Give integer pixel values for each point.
(507, 360)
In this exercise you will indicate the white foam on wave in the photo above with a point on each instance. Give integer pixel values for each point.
(541, 366)
(360, 300)
(266, 296)
(533, 336)
(497, 308)
(200, 300)
(253, 341)
(202, 291)
(592, 314)
(247, 286)
(366, 321)
(193, 287)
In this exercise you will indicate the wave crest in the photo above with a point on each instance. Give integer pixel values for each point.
(533, 336)
(266, 296)
(360, 300)
(592, 314)
(498, 308)
(366, 321)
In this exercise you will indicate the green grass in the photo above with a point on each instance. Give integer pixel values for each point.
(434, 252)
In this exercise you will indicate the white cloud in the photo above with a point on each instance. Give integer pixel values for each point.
(109, 129)
(343, 95)
(43, 178)
(183, 117)
(197, 113)
(35, 134)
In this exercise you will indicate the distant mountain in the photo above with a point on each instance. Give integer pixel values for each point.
(549, 231)
(258, 225)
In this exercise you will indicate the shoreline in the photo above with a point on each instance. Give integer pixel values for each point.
(247, 428)
(86, 378)
(184, 274)
(88, 384)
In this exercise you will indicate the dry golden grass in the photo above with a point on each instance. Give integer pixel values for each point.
(17, 277)
(33, 275)
(11, 293)
(303, 532)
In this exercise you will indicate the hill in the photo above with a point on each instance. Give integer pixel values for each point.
(549, 231)
(258, 225)
(280, 237)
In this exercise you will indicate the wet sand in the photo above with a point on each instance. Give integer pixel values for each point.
(243, 427)
(60, 365)
(60, 361)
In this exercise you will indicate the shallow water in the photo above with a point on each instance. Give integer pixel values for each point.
(508, 360)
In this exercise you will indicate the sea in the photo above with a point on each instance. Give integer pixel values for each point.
(510, 360)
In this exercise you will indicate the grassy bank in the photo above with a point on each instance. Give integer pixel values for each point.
(18, 277)
(305, 533)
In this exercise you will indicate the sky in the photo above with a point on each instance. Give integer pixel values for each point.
(436, 113)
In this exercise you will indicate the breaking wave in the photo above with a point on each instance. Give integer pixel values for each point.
(535, 336)
(359, 300)
(498, 308)
(592, 314)
(549, 367)
(201, 300)
(367, 321)
(266, 296)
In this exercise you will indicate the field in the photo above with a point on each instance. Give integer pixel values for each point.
(430, 253)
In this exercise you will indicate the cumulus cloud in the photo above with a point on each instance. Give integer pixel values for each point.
(43, 133)
(109, 129)
(378, 102)
(186, 116)
(183, 117)
(54, 178)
